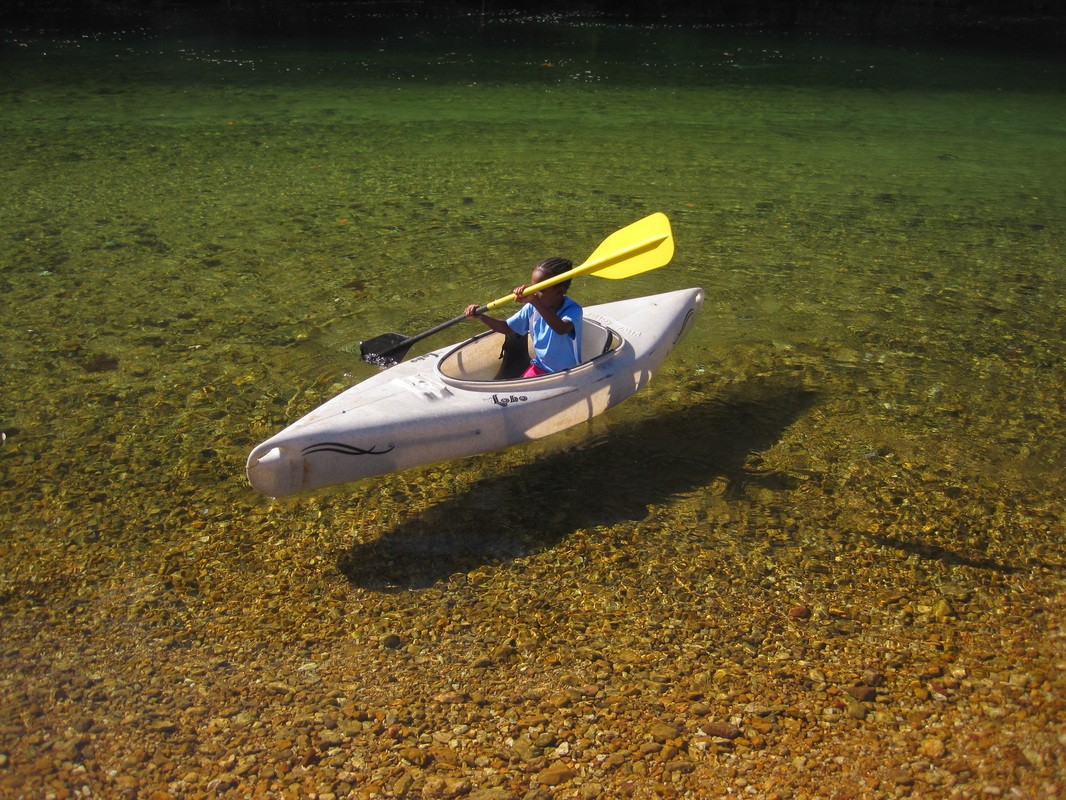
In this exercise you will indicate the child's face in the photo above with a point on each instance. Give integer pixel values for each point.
(552, 293)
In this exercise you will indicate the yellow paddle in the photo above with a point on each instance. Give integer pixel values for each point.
(645, 245)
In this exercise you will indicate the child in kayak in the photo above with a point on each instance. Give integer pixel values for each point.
(552, 320)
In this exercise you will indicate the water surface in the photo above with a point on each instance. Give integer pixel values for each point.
(232, 213)
(867, 419)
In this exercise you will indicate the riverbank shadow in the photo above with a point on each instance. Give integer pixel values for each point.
(607, 480)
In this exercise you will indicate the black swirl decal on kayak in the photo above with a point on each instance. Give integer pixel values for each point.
(344, 449)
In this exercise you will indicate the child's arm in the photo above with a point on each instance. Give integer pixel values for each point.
(497, 325)
(563, 327)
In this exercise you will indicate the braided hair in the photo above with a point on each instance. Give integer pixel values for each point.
(556, 266)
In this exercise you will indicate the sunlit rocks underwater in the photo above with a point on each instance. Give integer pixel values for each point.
(821, 555)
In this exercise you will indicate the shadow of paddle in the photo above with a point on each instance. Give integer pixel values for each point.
(606, 481)
(934, 552)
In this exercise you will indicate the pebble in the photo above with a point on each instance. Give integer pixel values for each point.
(556, 774)
(933, 747)
(873, 678)
(723, 730)
(901, 777)
(662, 732)
(864, 694)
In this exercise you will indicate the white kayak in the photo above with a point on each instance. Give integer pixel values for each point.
(458, 401)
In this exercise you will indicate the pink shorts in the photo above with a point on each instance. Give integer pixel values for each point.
(534, 371)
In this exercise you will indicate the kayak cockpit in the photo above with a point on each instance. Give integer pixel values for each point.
(496, 357)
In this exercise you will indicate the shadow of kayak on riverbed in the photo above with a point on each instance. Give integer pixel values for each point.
(608, 480)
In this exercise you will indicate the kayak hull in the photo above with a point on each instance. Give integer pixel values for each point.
(450, 403)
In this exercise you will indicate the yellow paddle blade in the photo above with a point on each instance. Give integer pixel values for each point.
(645, 245)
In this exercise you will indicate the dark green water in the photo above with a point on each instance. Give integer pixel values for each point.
(197, 231)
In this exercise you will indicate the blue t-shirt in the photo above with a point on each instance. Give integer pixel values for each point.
(553, 351)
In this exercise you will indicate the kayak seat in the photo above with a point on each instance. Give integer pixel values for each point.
(516, 352)
(495, 357)
(595, 341)
(514, 357)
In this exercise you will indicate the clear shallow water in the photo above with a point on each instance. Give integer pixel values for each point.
(197, 232)
(852, 465)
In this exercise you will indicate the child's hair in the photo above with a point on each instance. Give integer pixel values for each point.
(556, 266)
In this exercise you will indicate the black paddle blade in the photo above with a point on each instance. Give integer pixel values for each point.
(385, 350)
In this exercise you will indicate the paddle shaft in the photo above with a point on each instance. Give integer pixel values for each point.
(649, 252)
(589, 266)
(405, 344)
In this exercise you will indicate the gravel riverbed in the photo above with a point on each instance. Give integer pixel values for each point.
(772, 619)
